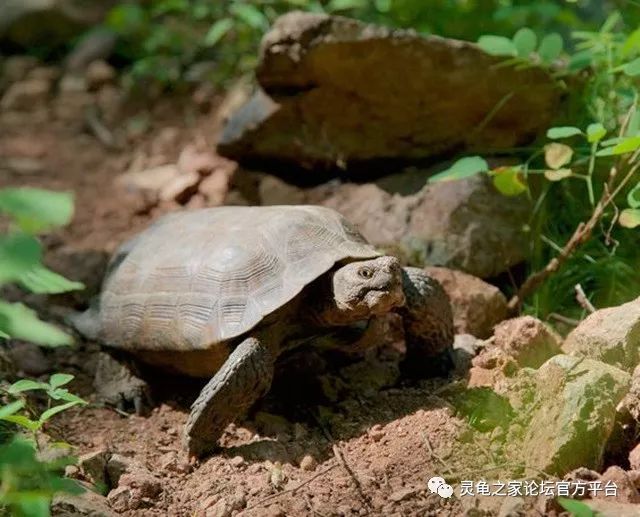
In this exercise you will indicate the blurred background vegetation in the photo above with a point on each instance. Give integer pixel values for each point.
(163, 39)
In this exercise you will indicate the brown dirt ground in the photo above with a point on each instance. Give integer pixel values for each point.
(375, 449)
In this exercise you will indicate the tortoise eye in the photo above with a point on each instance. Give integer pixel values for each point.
(365, 272)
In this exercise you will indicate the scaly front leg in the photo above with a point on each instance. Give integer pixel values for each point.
(428, 324)
(244, 378)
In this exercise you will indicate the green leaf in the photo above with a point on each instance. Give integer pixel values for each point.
(19, 253)
(508, 181)
(595, 132)
(63, 394)
(26, 385)
(550, 47)
(632, 69)
(11, 408)
(60, 379)
(556, 133)
(249, 14)
(463, 168)
(629, 218)
(557, 174)
(626, 145)
(218, 31)
(633, 197)
(35, 209)
(556, 155)
(20, 322)
(345, 5)
(41, 280)
(632, 43)
(580, 60)
(576, 508)
(23, 421)
(34, 505)
(525, 41)
(497, 45)
(51, 412)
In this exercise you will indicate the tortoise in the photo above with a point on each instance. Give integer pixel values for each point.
(222, 292)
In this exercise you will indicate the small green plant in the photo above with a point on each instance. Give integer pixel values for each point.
(584, 181)
(31, 211)
(55, 392)
(28, 483)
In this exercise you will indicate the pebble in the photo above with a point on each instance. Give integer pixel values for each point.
(308, 463)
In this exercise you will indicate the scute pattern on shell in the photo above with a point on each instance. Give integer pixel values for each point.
(197, 278)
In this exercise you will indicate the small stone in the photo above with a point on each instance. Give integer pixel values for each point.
(26, 95)
(94, 465)
(71, 471)
(46, 73)
(203, 162)
(308, 463)
(634, 458)
(150, 180)
(89, 503)
(221, 509)
(98, 74)
(237, 461)
(16, 68)
(71, 83)
(528, 340)
(626, 492)
(376, 433)
(215, 188)
(402, 494)
(180, 188)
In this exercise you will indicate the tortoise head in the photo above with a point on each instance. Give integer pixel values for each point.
(364, 288)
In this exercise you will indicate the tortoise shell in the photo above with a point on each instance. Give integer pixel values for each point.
(197, 278)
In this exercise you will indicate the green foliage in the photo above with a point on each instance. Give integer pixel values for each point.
(576, 508)
(161, 39)
(54, 391)
(28, 483)
(566, 176)
(31, 211)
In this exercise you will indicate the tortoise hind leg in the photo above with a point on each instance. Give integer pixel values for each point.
(244, 378)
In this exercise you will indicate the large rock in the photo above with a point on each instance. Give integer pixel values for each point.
(477, 306)
(465, 224)
(609, 335)
(338, 91)
(573, 414)
(48, 23)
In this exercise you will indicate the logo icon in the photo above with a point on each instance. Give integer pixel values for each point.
(438, 485)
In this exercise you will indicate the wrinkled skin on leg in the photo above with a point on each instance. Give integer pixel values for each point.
(243, 379)
(428, 324)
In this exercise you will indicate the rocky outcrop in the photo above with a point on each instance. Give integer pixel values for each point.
(466, 224)
(611, 335)
(477, 306)
(337, 91)
(573, 414)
